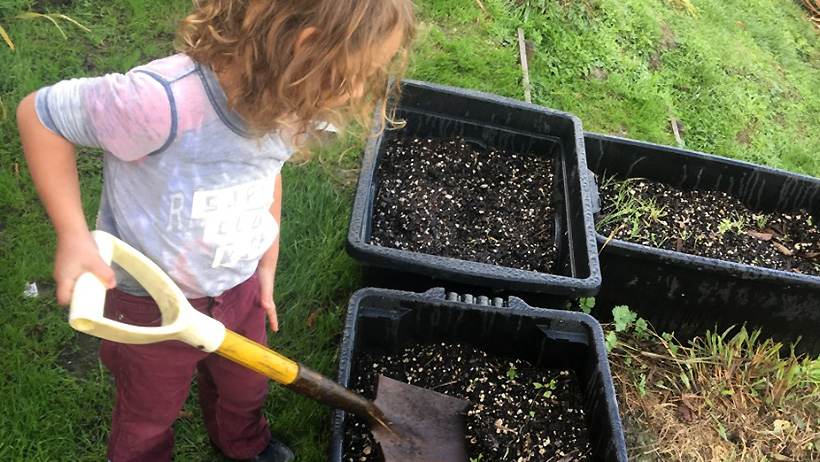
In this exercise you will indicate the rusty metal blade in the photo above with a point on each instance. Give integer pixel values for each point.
(423, 425)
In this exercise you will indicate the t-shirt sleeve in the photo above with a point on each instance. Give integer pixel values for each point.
(129, 115)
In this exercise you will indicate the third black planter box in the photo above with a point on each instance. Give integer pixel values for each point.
(439, 117)
(551, 376)
(688, 294)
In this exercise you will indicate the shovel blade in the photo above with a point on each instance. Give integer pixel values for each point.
(423, 425)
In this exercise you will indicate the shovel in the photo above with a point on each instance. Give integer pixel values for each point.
(411, 424)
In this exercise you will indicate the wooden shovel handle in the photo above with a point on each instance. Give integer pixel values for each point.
(258, 358)
(297, 377)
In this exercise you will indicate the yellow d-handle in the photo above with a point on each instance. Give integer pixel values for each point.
(180, 321)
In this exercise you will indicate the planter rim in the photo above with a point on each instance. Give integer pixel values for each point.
(492, 97)
(479, 272)
(705, 156)
(517, 306)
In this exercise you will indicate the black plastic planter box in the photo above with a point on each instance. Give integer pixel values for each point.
(385, 321)
(689, 294)
(443, 112)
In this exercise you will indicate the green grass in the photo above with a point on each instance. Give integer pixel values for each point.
(741, 76)
(731, 395)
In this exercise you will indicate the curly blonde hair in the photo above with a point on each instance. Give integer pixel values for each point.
(278, 87)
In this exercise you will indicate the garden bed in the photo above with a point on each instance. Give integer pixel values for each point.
(738, 221)
(518, 412)
(538, 380)
(476, 192)
(457, 199)
(710, 224)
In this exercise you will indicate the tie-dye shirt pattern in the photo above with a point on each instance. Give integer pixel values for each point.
(184, 181)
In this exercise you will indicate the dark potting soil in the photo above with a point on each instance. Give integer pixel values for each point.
(518, 412)
(455, 199)
(708, 224)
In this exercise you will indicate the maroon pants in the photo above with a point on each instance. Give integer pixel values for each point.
(153, 380)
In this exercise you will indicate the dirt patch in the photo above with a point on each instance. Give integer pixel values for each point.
(745, 136)
(708, 224)
(667, 42)
(598, 74)
(668, 38)
(655, 62)
(518, 412)
(81, 357)
(453, 198)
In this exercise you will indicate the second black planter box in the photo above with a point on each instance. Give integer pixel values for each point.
(447, 113)
(381, 321)
(689, 294)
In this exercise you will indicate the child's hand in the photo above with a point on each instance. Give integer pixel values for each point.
(78, 254)
(265, 276)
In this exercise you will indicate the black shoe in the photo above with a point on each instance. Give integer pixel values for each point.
(275, 452)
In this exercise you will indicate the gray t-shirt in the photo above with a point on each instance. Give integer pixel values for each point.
(184, 181)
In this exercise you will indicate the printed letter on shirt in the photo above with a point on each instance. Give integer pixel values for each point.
(177, 201)
(235, 220)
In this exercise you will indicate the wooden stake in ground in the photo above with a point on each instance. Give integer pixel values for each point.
(481, 5)
(522, 50)
(676, 130)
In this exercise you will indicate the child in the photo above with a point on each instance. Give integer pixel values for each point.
(194, 144)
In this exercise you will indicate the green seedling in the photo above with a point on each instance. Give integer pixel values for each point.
(736, 223)
(641, 328)
(724, 226)
(673, 347)
(586, 304)
(629, 210)
(624, 317)
(641, 385)
(549, 387)
(512, 373)
(624, 320)
(653, 211)
(657, 241)
(761, 220)
(611, 341)
(686, 234)
(623, 207)
(636, 228)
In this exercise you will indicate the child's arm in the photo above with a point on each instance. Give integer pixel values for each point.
(51, 160)
(267, 265)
